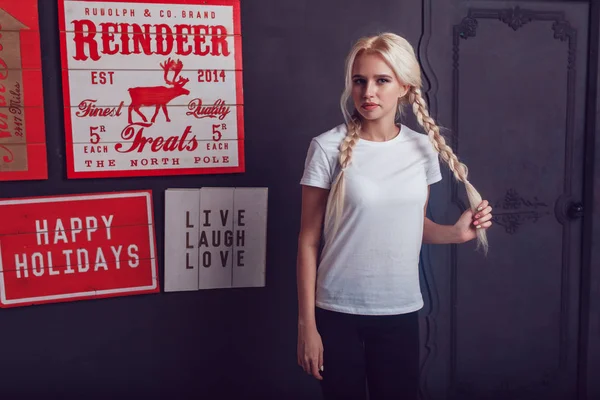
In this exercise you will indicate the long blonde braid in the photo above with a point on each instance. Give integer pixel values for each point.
(335, 201)
(459, 169)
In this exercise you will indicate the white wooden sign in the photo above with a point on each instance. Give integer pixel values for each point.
(152, 87)
(215, 238)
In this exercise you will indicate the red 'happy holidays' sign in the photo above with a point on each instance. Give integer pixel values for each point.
(74, 247)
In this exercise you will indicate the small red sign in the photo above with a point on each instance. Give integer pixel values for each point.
(22, 129)
(76, 247)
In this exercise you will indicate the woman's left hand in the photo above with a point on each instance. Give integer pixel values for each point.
(469, 222)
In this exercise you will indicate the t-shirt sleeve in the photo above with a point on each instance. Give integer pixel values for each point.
(433, 167)
(317, 169)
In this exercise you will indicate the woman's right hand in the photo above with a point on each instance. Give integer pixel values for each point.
(310, 350)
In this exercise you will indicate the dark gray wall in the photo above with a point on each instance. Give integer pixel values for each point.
(590, 332)
(216, 344)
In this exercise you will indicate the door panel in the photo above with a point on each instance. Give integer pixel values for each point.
(510, 83)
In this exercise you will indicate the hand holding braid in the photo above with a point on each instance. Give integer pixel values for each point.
(459, 169)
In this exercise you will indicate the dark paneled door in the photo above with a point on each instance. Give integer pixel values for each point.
(509, 79)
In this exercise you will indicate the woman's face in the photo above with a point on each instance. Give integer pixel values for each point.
(375, 87)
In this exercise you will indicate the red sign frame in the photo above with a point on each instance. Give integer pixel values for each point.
(71, 156)
(25, 13)
(77, 247)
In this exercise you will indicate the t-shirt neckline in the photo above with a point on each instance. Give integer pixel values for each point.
(398, 138)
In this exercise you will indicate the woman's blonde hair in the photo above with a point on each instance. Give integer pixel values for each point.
(400, 56)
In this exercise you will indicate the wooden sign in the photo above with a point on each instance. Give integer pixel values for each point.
(22, 130)
(152, 87)
(215, 238)
(75, 247)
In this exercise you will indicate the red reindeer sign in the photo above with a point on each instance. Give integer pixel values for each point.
(152, 89)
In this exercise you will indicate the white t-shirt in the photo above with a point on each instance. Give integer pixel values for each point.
(371, 266)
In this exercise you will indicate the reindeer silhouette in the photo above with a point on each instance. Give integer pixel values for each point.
(159, 96)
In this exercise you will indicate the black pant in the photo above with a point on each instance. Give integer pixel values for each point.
(378, 352)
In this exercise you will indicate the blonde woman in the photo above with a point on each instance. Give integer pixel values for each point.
(366, 187)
